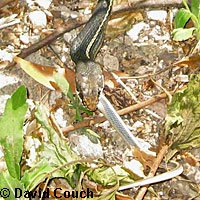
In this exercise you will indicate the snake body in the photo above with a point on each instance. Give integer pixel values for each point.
(89, 74)
(90, 81)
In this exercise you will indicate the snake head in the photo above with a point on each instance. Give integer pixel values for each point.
(89, 82)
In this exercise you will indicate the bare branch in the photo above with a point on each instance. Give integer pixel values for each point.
(72, 24)
(121, 112)
(5, 2)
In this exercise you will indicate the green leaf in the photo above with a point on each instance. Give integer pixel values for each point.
(185, 4)
(56, 150)
(198, 33)
(13, 185)
(64, 86)
(182, 126)
(91, 135)
(108, 176)
(61, 82)
(85, 110)
(11, 133)
(182, 16)
(181, 34)
(36, 174)
(195, 7)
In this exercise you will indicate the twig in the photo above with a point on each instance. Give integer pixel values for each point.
(164, 90)
(141, 4)
(121, 112)
(117, 78)
(154, 168)
(72, 24)
(16, 21)
(5, 2)
(148, 75)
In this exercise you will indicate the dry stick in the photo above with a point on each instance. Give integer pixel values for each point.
(141, 4)
(121, 112)
(5, 2)
(154, 168)
(72, 24)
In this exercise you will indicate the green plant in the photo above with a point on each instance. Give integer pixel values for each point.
(54, 159)
(181, 33)
(65, 88)
(54, 153)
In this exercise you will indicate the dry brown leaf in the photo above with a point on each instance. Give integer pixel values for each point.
(147, 85)
(190, 61)
(119, 196)
(4, 64)
(109, 77)
(189, 158)
(44, 74)
(146, 159)
(122, 22)
(128, 63)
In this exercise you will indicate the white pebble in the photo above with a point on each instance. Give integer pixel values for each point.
(38, 18)
(182, 78)
(24, 39)
(137, 124)
(7, 80)
(134, 32)
(44, 3)
(87, 11)
(160, 15)
(6, 56)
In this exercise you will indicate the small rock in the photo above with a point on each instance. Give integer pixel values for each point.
(74, 15)
(137, 125)
(84, 147)
(156, 34)
(192, 173)
(44, 4)
(87, 11)
(160, 15)
(59, 116)
(30, 3)
(65, 12)
(24, 39)
(111, 62)
(36, 31)
(7, 80)
(182, 78)
(38, 18)
(134, 32)
(135, 166)
(4, 55)
(69, 37)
